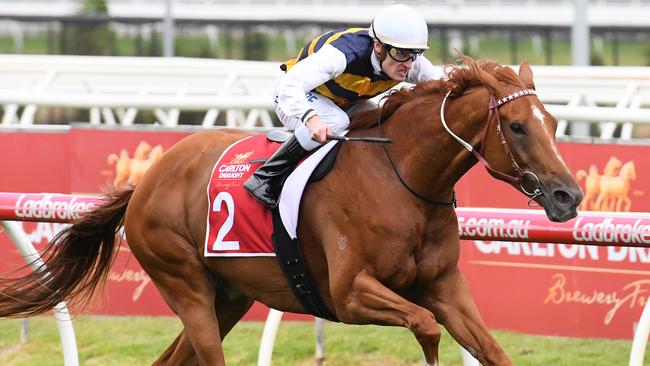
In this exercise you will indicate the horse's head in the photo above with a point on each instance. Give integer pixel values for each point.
(519, 144)
(612, 167)
(628, 172)
(142, 151)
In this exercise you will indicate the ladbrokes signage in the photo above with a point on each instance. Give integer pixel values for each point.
(536, 287)
(602, 228)
(50, 207)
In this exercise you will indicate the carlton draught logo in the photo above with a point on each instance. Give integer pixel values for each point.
(130, 170)
(241, 158)
(51, 207)
(610, 190)
(237, 167)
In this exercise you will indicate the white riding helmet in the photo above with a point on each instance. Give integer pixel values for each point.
(400, 26)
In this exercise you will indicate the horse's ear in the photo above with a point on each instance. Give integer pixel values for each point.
(526, 75)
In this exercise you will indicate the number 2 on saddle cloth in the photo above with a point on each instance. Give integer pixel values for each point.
(237, 224)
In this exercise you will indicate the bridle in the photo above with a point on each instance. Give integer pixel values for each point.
(493, 115)
(493, 118)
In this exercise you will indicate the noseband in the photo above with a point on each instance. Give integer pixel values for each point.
(494, 119)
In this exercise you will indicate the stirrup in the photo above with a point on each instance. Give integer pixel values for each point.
(260, 190)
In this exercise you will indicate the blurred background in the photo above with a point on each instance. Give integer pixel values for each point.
(90, 89)
(190, 62)
(274, 30)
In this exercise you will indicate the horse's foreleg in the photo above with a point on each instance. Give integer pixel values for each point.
(366, 301)
(451, 301)
(587, 202)
(599, 203)
(623, 204)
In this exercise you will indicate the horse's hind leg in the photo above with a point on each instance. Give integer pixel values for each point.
(451, 301)
(186, 284)
(191, 296)
(230, 307)
(180, 352)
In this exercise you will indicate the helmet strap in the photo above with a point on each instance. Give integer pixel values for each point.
(381, 56)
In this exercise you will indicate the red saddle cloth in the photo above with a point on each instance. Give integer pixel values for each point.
(238, 226)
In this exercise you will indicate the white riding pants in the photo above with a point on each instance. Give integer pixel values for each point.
(329, 112)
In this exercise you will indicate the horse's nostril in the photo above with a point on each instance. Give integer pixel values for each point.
(563, 198)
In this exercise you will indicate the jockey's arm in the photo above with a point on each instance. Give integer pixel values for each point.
(424, 70)
(316, 69)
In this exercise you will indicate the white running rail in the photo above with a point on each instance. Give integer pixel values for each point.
(115, 89)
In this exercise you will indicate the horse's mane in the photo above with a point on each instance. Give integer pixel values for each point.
(458, 78)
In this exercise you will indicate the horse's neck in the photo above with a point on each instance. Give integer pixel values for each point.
(429, 158)
(627, 172)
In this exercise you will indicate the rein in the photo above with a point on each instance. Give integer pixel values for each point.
(493, 115)
(406, 185)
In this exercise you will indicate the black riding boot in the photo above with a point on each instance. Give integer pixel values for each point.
(266, 183)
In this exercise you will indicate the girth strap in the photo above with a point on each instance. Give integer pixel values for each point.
(296, 272)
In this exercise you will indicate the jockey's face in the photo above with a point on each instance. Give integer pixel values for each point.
(396, 70)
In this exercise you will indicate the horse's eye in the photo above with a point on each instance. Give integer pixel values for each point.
(517, 128)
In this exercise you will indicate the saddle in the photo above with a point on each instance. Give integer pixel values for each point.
(324, 166)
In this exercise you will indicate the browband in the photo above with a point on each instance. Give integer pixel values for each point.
(515, 95)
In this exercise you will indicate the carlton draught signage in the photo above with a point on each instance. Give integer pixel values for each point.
(525, 282)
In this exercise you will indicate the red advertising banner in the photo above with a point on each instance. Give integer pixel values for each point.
(566, 289)
(539, 287)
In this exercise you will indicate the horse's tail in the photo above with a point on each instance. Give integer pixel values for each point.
(77, 263)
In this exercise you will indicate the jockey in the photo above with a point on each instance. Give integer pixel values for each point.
(316, 92)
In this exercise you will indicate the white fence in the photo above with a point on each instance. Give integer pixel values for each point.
(114, 89)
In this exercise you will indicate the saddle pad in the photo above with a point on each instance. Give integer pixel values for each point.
(237, 225)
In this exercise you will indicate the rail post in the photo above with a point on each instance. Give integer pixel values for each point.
(61, 314)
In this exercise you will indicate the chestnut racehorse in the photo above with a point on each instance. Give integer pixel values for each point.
(379, 232)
